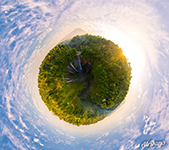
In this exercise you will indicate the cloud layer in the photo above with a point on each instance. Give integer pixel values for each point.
(29, 29)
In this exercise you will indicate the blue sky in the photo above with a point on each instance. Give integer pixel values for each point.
(29, 29)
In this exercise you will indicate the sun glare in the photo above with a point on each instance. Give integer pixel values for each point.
(131, 49)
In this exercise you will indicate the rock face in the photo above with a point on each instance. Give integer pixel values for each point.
(77, 70)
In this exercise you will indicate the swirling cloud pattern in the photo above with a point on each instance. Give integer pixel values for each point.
(30, 28)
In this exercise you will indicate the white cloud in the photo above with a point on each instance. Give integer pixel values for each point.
(70, 136)
(32, 4)
(122, 147)
(159, 109)
(23, 124)
(6, 8)
(134, 19)
(36, 140)
(9, 133)
(116, 142)
(68, 142)
(103, 135)
(131, 132)
(149, 126)
(41, 144)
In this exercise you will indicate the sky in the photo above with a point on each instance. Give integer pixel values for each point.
(30, 29)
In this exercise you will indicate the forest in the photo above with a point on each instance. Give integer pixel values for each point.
(84, 79)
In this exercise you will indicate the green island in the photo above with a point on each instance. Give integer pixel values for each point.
(82, 80)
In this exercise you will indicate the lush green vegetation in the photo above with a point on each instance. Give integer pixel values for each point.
(96, 81)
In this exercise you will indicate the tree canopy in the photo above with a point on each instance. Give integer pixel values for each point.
(83, 79)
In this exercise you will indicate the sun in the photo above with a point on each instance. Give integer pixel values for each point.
(131, 49)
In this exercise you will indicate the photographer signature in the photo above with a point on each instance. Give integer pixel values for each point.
(152, 143)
